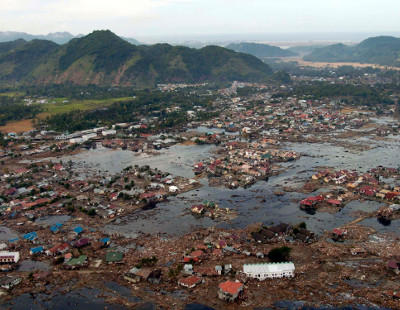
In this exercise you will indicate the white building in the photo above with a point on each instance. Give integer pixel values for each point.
(9, 257)
(264, 271)
(173, 189)
(76, 140)
(89, 136)
(110, 132)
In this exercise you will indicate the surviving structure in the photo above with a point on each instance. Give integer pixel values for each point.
(9, 257)
(264, 271)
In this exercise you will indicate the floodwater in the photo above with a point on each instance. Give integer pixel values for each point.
(7, 234)
(30, 265)
(202, 129)
(177, 159)
(81, 299)
(52, 220)
(255, 204)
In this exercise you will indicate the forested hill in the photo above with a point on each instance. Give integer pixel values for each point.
(383, 50)
(103, 58)
(260, 50)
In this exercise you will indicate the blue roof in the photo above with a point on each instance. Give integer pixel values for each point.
(36, 250)
(30, 236)
(105, 240)
(13, 240)
(56, 227)
(78, 229)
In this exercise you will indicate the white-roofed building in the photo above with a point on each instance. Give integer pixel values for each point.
(110, 132)
(264, 271)
(9, 257)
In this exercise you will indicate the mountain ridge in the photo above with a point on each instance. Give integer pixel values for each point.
(103, 58)
(381, 50)
(260, 50)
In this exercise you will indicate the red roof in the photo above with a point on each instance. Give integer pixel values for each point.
(339, 232)
(58, 167)
(391, 195)
(217, 252)
(230, 287)
(316, 198)
(368, 190)
(147, 195)
(190, 281)
(334, 202)
(306, 202)
(21, 170)
(197, 253)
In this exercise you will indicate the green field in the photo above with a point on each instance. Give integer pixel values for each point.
(57, 106)
(12, 94)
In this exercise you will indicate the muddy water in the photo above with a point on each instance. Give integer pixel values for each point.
(255, 204)
(82, 299)
(52, 220)
(177, 160)
(7, 234)
(30, 265)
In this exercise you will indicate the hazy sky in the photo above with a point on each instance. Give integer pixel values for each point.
(141, 18)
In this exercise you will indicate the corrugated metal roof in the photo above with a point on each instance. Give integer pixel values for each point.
(268, 267)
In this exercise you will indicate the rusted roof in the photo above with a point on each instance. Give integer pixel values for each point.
(190, 281)
(231, 287)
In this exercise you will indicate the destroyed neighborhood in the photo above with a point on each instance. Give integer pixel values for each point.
(274, 198)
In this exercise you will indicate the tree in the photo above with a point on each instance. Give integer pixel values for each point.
(281, 254)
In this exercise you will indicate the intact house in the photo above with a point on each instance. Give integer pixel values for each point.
(190, 282)
(264, 271)
(230, 291)
(9, 257)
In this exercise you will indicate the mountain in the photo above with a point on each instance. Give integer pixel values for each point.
(304, 49)
(57, 37)
(103, 58)
(383, 50)
(6, 47)
(260, 50)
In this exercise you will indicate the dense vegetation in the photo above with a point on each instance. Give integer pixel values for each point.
(281, 254)
(108, 50)
(11, 109)
(5, 47)
(146, 104)
(72, 91)
(260, 50)
(347, 93)
(20, 62)
(382, 50)
(102, 58)
(304, 50)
